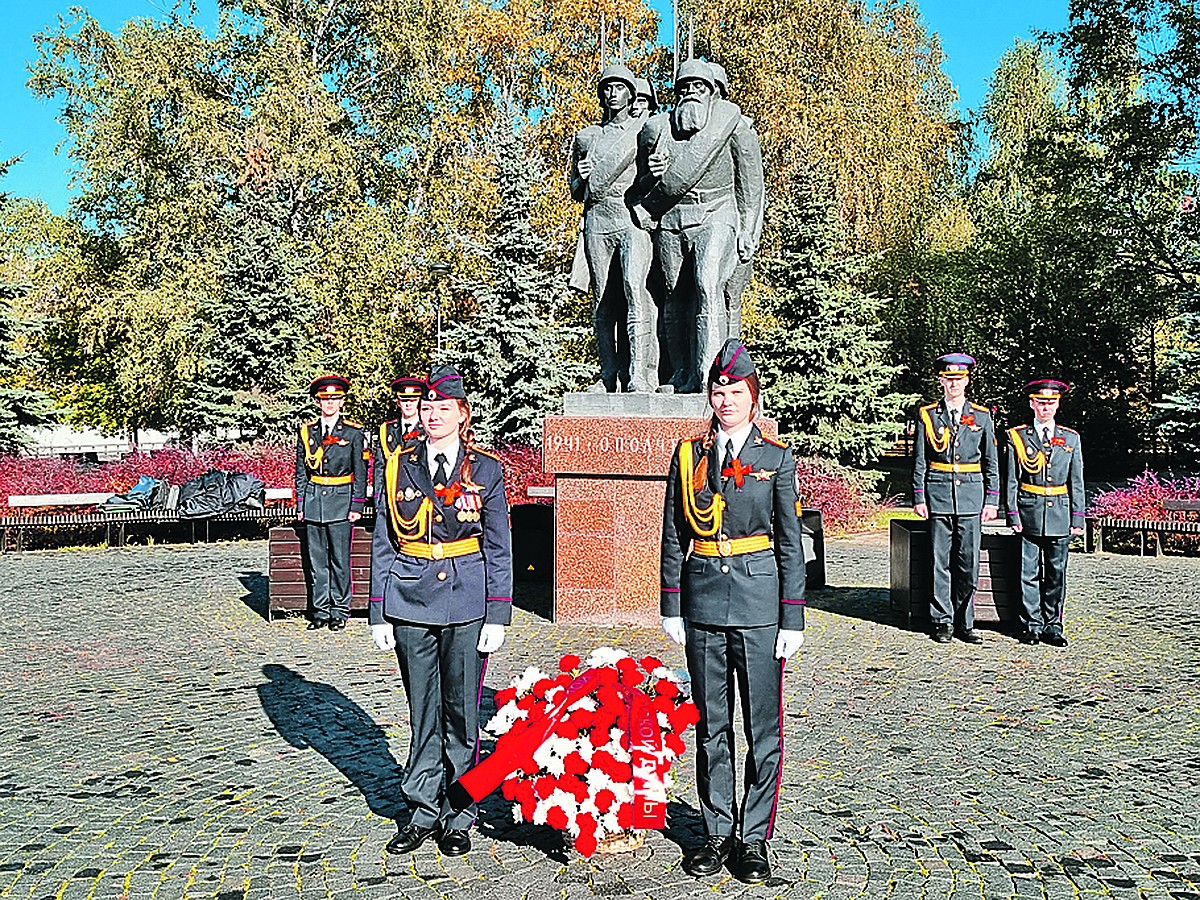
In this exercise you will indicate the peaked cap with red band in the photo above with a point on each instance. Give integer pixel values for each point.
(408, 388)
(328, 387)
(1046, 388)
(732, 364)
(445, 383)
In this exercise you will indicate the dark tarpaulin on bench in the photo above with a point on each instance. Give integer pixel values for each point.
(216, 493)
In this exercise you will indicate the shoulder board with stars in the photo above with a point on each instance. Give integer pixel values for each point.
(1065, 428)
(775, 443)
(489, 454)
(978, 408)
(930, 406)
(353, 424)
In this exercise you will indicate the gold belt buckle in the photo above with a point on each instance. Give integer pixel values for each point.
(436, 551)
(725, 547)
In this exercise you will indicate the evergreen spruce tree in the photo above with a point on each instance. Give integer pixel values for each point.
(21, 407)
(823, 363)
(512, 350)
(1178, 414)
(253, 376)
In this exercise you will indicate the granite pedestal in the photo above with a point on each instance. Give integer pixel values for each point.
(610, 454)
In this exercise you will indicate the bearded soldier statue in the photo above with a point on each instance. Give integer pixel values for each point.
(700, 194)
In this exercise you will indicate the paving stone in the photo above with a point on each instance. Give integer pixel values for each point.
(162, 739)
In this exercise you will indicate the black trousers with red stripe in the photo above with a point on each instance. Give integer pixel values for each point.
(442, 672)
(724, 664)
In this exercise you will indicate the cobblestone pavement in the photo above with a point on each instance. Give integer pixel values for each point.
(160, 739)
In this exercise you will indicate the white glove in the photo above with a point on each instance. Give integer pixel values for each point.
(491, 637)
(673, 626)
(384, 636)
(788, 643)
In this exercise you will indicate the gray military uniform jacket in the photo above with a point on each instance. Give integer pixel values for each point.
(765, 587)
(956, 471)
(331, 474)
(1044, 486)
(441, 590)
(393, 436)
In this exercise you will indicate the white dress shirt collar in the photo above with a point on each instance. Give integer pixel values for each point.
(451, 451)
(737, 440)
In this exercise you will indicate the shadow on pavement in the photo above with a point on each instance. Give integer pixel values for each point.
(312, 715)
(257, 598)
(872, 604)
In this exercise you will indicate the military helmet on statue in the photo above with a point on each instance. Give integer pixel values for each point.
(694, 70)
(617, 72)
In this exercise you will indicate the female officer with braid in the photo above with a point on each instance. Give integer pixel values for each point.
(441, 595)
(733, 595)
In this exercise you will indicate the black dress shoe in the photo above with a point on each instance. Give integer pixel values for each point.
(1054, 639)
(970, 636)
(408, 839)
(708, 858)
(941, 634)
(752, 865)
(337, 624)
(454, 842)
(316, 624)
(1030, 637)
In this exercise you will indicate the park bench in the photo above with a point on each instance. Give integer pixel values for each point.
(1100, 527)
(115, 526)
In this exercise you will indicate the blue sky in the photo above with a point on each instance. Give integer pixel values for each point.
(974, 36)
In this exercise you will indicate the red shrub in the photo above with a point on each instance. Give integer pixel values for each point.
(1144, 497)
(273, 463)
(839, 493)
(522, 470)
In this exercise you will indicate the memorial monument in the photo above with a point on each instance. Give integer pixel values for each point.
(672, 215)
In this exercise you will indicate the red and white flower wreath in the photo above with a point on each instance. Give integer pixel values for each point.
(604, 767)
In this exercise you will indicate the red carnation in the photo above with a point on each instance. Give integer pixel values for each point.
(527, 702)
(605, 799)
(544, 786)
(509, 789)
(666, 688)
(625, 815)
(575, 764)
(650, 663)
(586, 843)
(569, 663)
(674, 743)
(574, 787)
(598, 737)
(528, 806)
(557, 819)
(632, 677)
(507, 695)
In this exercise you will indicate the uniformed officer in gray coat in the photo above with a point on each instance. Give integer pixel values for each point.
(331, 488)
(441, 595)
(956, 484)
(1046, 505)
(402, 430)
(733, 595)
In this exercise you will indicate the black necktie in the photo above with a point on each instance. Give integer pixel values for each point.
(1046, 436)
(440, 477)
(954, 419)
(727, 462)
